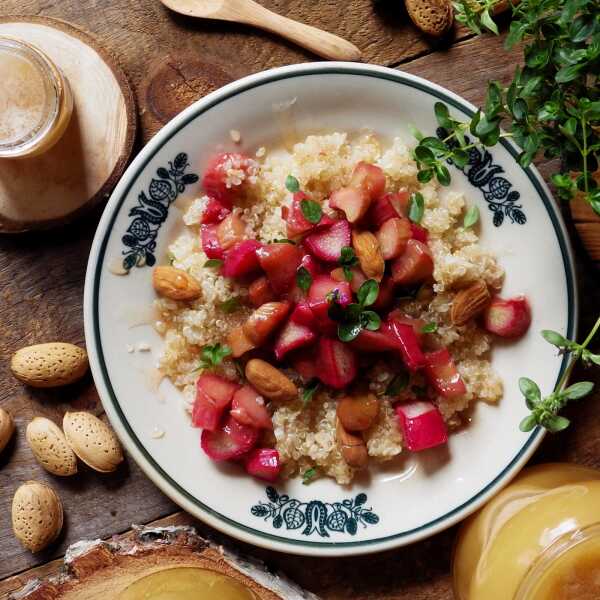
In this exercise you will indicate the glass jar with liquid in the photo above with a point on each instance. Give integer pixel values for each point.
(35, 100)
(538, 539)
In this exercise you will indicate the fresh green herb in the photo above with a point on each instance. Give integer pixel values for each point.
(303, 279)
(416, 207)
(311, 210)
(429, 327)
(309, 391)
(309, 475)
(471, 217)
(212, 356)
(283, 241)
(544, 410)
(552, 105)
(230, 306)
(348, 259)
(213, 263)
(397, 384)
(353, 318)
(292, 184)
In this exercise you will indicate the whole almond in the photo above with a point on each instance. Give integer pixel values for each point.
(368, 253)
(37, 515)
(50, 447)
(93, 441)
(49, 365)
(175, 284)
(433, 17)
(470, 302)
(7, 428)
(352, 446)
(269, 381)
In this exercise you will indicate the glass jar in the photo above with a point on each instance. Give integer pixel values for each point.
(35, 100)
(528, 538)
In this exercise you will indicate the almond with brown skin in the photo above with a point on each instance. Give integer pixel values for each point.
(352, 447)
(175, 284)
(470, 302)
(366, 248)
(269, 381)
(7, 428)
(433, 17)
(358, 412)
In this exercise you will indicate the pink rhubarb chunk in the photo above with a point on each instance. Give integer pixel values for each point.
(241, 260)
(508, 318)
(422, 425)
(326, 244)
(293, 336)
(263, 463)
(337, 365)
(248, 407)
(210, 242)
(231, 440)
(213, 397)
(408, 343)
(443, 375)
(323, 285)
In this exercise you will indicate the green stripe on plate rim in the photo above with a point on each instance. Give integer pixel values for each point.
(396, 78)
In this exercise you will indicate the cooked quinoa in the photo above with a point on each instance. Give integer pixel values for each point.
(305, 436)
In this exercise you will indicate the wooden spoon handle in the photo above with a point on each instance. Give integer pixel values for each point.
(320, 42)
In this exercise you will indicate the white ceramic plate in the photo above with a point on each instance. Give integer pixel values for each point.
(411, 498)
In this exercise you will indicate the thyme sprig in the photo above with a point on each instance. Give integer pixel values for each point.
(544, 411)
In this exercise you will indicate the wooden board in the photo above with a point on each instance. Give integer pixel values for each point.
(41, 275)
(81, 169)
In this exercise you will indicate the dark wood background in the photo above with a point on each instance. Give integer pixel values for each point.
(171, 61)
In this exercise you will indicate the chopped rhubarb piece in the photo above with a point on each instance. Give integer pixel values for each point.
(354, 202)
(508, 318)
(292, 337)
(393, 236)
(231, 440)
(264, 321)
(443, 375)
(241, 260)
(417, 324)
(324, 323)
(327, 243)
(385, 298)
(213, 396)
(303, 315)
(297, 223)
(387, 207)
(419, 233)
(280, 262)
(303, 362)
(369, 178)
(323, 285)
(263, 463)
(239, 342)
(311, 265)
(422, 425)
(336, 362)
(260, 292)
(248, 407)
(414, 265)
(216, 175)
(210, 242)
(374, 341)
(231, 231)
(358, 277)
(214, 212)
(408, 343)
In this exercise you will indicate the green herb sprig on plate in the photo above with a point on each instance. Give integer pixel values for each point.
(212, 356)
(544, 410)
(348, 259)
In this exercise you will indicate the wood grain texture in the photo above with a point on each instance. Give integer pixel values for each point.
(41, 275)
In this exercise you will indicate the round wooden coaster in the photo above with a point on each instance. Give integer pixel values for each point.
(86, 163)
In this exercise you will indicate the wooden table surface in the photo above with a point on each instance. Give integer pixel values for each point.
(171, 61)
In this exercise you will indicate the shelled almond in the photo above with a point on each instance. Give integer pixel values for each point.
(269, 381)
(352, 446)
(50, 447)
(7, 428)
(469, 303)
(37, 515)
(368, 253)
(49, 365)
(92, 441)
(175, 284)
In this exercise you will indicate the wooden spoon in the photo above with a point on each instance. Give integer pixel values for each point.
(251, 13)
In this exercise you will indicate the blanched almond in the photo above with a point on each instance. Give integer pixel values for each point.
(264, 320)
(368, 253)
(269, 381)
(470, 302)
(37, 515)
(358, 412)
(49, 365)
(175, 284)
(352, 447)
(50, 447)
(7, 428)
(93, 441)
